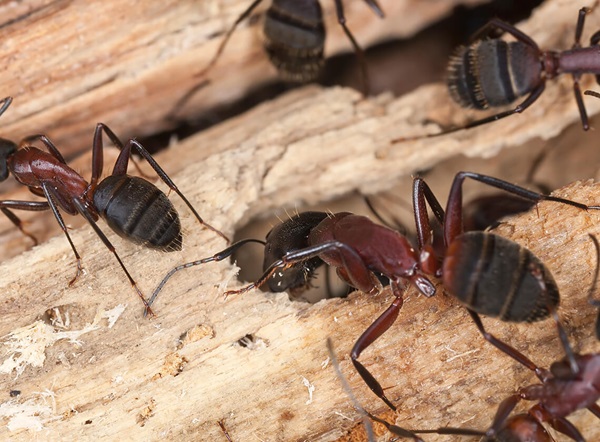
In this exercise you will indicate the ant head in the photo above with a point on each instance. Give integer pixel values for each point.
(7, 149)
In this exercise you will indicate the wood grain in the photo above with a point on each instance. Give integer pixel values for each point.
(71, 64)
(174, 376)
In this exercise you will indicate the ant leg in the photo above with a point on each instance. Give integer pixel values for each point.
(216, 258)
(98, 155)
(61, 223)
(22, 205)
(395, 223)
(224, 430)
(595, 409)
(453, 221)
(375, 7)
(360, 54)
(500, 418)
(82, 209)
(46, 142)
(577, 44)
(580, 24)
(421, 193)
(348, 390)
(495, 24)
(225, 40)
(365, 414)
(579, 100)
(560, 424)
(5, 104)
(359, 275)
(531, 98)
(123, 160)
(399, 431)
(504, 409)
(541, 373)
(372, 333)
(595, 302)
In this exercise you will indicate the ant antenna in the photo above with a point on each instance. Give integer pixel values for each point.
(364, 414)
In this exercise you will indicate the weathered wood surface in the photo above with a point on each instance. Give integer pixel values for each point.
(142, 379)
(175, 375)
(70, 64)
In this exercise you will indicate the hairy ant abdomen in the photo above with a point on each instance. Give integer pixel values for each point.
(492, 73)
(288, 236)
(480, 264)
(139, 212)
(295, 38)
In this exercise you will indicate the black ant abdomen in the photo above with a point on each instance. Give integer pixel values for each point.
(472, 271)
(138, 211)
(294, 36)
(491, 73)
(286, 237)
(295, 39)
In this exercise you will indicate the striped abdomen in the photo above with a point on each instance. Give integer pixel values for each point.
(497, 277)
(139, 212)
(492, 73)
(294, 38)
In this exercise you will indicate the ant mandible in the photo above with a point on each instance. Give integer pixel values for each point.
(492, 72)
(133, 207)
(360, 249)
(295, 37)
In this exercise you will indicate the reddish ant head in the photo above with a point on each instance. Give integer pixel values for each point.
(7, 149)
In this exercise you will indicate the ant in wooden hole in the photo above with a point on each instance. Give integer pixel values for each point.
(491, 72)
(473, 266)
(287, 236)
(295, 37)
(133, 208)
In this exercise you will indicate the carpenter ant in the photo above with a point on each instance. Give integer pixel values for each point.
(133, 207)
(295, 37)
(473, 267)
(491, 72)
